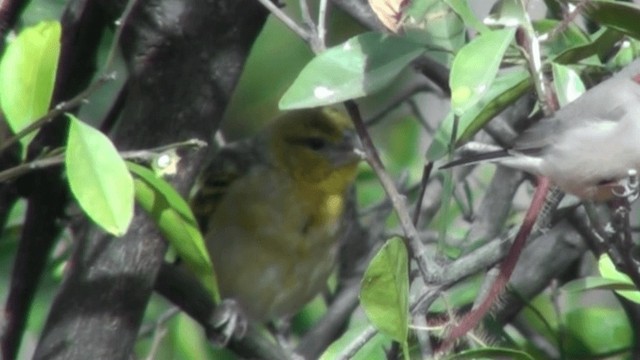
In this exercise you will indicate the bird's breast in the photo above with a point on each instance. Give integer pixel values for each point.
(273, 244)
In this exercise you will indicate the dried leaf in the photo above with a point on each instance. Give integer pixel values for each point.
(389, 12)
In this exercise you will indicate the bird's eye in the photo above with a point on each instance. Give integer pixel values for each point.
(315, 143)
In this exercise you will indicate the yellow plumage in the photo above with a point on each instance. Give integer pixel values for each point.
(271, 207)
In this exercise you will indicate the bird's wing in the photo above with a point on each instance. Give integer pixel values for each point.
(230, 163)
(602, 106)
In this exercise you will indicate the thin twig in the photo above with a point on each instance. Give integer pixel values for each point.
(429, 269)
(530, 46)
(426, 173)
(322, 24)
(289, 22)
(306, 14)
(315, 42)
(350, 351)
(148, 329)
(57, 158)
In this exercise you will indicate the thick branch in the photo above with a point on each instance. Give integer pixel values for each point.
(184, 62)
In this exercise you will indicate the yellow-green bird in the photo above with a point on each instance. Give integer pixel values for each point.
(271, 209)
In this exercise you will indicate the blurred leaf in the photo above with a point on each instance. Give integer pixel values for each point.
(505, 90)
(621, 16)
(596, 283)
(554, 8)
(629, 51)
(384, 292)
(176, 223)
(359, 67)
(28, 74)
(439, 28)
(508, 13)
(460, 294)
(475, 67)
(461, 7)
(567, 84)
(556, 42)
(608, 270)
(592, 332)
(491, 353)
(189, 343)
(98, 177)
(603, 41)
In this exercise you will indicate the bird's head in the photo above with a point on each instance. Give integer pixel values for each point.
(317, 146)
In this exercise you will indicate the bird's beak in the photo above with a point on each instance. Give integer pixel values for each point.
(348, 151)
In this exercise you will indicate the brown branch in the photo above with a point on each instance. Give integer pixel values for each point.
(429, 268)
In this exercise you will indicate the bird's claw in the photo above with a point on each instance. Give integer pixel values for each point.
(629, 186)
(228, 321)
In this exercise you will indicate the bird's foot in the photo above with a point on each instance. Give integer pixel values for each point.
(228, 321)
(628, 187)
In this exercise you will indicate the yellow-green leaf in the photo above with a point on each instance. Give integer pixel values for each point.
(98, 177)
(27, 75)
(475, 67)
(176, 222)
(608, 270)
(384, 291)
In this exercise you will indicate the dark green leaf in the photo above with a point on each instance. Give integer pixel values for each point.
(621, 16)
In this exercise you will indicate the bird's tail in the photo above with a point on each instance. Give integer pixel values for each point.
(473, 153)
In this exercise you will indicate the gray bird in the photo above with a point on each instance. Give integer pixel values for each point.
(588, 148)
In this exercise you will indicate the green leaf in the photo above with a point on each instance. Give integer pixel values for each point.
(505, 90)
(384, 290)
(461, 7)
(508, 13)
(608, 270)
(491, 353)
(619, 16)
(28, 74)
(436, 25)
(629, 51)
(602, 43)
(567, 83)
(475, 67)
(98, 177)
(359, 67)
(595, 332)
(572, 36)
(176, 222)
